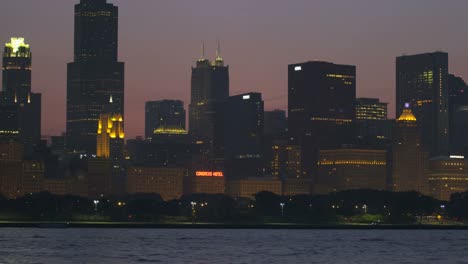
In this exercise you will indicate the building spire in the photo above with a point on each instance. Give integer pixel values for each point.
(218, 50)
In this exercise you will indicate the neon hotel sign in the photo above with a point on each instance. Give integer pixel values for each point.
(209, 174)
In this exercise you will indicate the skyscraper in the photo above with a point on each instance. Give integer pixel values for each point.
(373, 129)
(458, 115)
(239, 134)
(210, 86)
(321, 98)
(422, 84)
(21, 109)
(409, 161)
(110, 134)
(95, 75)
(169, 113)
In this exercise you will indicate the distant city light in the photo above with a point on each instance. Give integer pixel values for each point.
(298, 68)
(246, 97)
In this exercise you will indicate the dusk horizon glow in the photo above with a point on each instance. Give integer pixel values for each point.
(160, 42)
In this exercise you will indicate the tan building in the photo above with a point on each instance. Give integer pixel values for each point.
(346, 169)
(247, 188)
(208, 182)
(56, 186)
(293, 187)
(168, 182)
(447, 176)
(410, 160)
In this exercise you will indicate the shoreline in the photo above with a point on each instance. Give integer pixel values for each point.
(135, 225)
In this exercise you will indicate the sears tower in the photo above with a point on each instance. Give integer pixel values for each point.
(95, 76)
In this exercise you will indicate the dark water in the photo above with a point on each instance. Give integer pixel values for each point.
(57, 246)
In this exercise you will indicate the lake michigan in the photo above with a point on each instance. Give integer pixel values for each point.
(62, 246)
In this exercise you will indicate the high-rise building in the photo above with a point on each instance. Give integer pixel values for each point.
(94, 75)
(422, 85)
(210, 86)
(321, 98)
(370, 109)
(168, 113)
(239, 134)
(373, 129)
(20, 109)
(110, 134)
(458, 115)
(409, 161)
(276, 123)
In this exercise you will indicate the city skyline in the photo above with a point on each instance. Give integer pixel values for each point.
(258, 55)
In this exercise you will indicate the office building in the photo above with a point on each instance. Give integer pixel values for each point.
(95, 74)
(276, 123)
(347, 169)
(458, 115)
(422, 85)
(210, 86)
(321, 99)
(409, 162)
(373, 129)
(168, 113)
(20, 108)
(239, 135)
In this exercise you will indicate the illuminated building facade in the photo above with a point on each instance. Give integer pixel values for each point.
(168, 182)
(239, 134)
(346, 169)
(110, 135)
(447, 175)
(321, 99)
(210, 86)
(373, 128)
(169, 113)
(370, 109)
(458, 115)
(422, 84)
(410, 158)
(20, 108)
(95, 74)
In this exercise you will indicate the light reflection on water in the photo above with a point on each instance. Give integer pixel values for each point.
(62, 246)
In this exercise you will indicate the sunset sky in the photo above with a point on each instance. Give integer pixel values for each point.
(160, 40)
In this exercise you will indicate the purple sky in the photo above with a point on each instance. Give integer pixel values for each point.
(160, 41)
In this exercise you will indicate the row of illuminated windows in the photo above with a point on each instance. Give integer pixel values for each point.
(352, 162)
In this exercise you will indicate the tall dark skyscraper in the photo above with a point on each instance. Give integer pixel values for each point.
(210, 86)
(95, 75)
(321, 99)
(422, 85)
(458, 115)
(21, 109)
(168, 113)
(239, 134)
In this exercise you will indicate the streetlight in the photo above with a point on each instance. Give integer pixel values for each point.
(365, 209)
(96, 202)
(194, 212)
(282, 209)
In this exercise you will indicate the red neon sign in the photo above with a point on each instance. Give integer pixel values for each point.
(209, 174)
